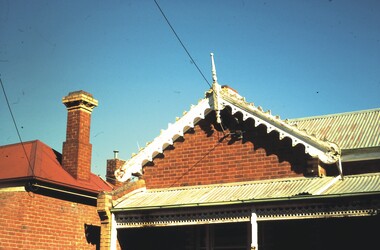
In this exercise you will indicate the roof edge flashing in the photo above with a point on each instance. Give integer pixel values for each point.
(361, 154)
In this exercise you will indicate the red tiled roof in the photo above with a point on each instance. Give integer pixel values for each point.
(43, 165)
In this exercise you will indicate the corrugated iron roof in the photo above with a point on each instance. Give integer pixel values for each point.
(351, 130)
(208, 195)
(224, 193)
(356, 184)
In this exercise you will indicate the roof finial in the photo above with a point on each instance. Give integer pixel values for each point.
(213, 70)
(216, 90)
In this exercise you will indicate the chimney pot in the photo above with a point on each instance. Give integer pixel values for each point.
(115, 154)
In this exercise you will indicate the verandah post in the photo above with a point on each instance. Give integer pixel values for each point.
(254, 231)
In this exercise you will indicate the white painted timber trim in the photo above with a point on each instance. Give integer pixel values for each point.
(165, 139)
(327, 152)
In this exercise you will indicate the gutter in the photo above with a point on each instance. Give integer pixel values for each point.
(35, 178)
(68, 185)
(360, 154)
(63, 191)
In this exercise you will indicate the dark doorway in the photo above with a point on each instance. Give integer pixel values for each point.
(328, 234)
(233, 236)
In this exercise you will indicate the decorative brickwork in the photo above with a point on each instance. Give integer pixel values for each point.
(104, 205)
(208, 155)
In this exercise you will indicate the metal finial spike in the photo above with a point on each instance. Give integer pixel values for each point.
(213, 70)
(215, 90)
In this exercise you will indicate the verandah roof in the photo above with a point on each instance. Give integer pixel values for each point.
(250, 192)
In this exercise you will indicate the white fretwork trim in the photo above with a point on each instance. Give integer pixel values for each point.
(327, 152)
(165, 139)
(209, 216)
(182, 218)
(316, 215)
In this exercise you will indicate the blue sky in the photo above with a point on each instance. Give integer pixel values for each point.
(296, 58)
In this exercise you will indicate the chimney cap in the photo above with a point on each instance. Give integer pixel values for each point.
(80, 100)
(78, 92)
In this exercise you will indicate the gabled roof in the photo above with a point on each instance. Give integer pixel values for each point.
(350, 130)
(43, 165)
(357, 133)
(216, 99)
(326, 151)
(250, 192)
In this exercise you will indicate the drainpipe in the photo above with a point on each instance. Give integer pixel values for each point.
(340, 169)
(328, 185)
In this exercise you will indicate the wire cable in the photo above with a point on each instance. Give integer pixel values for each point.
(183, 46)
(15, 124)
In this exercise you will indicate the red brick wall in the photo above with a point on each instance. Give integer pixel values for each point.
(112, 166)
(202, 156)
(33, 221)
(76, 153)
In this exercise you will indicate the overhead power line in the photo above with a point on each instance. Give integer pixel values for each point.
(183, 46)
(15, 124)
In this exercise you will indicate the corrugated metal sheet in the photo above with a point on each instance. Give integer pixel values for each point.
(248, 191)
(360, 129)
(222, 193)
(356, 184)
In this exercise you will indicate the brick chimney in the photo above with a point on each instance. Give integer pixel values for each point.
(76, 152)
(113, 165)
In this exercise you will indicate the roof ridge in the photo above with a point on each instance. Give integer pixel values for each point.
(19, 143)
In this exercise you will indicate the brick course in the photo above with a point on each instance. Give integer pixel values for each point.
(76, 151)
(205, 155)
(34, 221)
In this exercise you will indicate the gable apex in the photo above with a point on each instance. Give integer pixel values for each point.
(217, 99)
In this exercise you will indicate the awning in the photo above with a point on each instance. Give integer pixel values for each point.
(249, 192)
